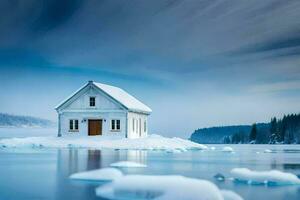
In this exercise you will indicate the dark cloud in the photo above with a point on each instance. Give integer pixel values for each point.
(54, 13)
(170, 37)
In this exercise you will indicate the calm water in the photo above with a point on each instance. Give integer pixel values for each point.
(43, 173)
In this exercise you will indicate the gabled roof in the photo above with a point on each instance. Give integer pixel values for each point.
(118, 94)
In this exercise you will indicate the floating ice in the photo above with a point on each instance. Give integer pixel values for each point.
(219, 177)
(104, 174)
(229, 195)
(227, 149)
(213, 148)
(127, 164)
(152, 142)
(162, 188)
(272, 178)
(268, 151)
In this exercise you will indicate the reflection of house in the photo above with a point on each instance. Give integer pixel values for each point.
(100, 109)
(71, 161)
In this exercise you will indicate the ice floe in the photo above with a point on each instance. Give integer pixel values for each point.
(268, 151)
(227, 149)
(219, 177)
(127, 164)
(104, 174)
(271, 178)
(230, 195)
(163, 188)
(152, 142)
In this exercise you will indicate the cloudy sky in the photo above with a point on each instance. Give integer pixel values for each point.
(196, 63)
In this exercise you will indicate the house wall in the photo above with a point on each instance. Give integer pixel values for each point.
(82, 102)
(139, 125)
(106, 109)
(79, 108)
(83, 117)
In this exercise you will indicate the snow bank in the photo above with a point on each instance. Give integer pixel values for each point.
(152, 142)
(271, 178)
(163, 188)
(127, 164)
(104, 174)
(227, 149)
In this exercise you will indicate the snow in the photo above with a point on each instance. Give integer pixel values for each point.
(123, 97)
(163, 188)
(230, 195)
(127, 164)
(227, 149)
(152, 142)
(104, 174)
(268, 151)
(273, 177)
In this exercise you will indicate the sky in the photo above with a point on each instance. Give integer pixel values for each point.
(196, 63)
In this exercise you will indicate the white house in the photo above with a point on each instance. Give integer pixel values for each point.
(100, 109)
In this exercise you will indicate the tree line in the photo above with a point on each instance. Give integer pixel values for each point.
(279, 131)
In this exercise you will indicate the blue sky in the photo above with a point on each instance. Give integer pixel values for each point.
(195, 63)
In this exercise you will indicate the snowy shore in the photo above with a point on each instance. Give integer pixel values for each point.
(152, 142)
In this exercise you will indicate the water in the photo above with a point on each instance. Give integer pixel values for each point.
(35, 173)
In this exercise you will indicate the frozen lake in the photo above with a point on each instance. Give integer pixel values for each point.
(42, 173)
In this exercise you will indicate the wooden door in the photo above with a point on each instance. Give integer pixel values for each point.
(95, 127)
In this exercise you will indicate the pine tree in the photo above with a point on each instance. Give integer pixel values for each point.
(253, 133)
(274, 133)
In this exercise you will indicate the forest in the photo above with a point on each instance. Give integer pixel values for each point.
(9, 120)
(278, 131)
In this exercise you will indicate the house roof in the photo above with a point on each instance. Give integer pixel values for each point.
(119, 95)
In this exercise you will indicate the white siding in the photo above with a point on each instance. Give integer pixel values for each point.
(138, 129)
(83, 122)
(83, 101)
(106, 108)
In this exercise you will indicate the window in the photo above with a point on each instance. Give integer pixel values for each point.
(92, 101)
(115, 125)
(140, 127)
(118, 124)
(73, 125)
(133, 124)
(145, 126)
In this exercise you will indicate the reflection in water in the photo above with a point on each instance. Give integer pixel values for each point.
(94, 159)
(291, 150)
(291, 166)
(72, 160)
(136, 156)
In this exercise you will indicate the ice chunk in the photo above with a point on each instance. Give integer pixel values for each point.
(273, 177)
(127, 164)
(268, 151)
(219, 177)
(98, 142)
(213, 148)
(104, 174)
(227, 149)
(229, 195)
(161, 188)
